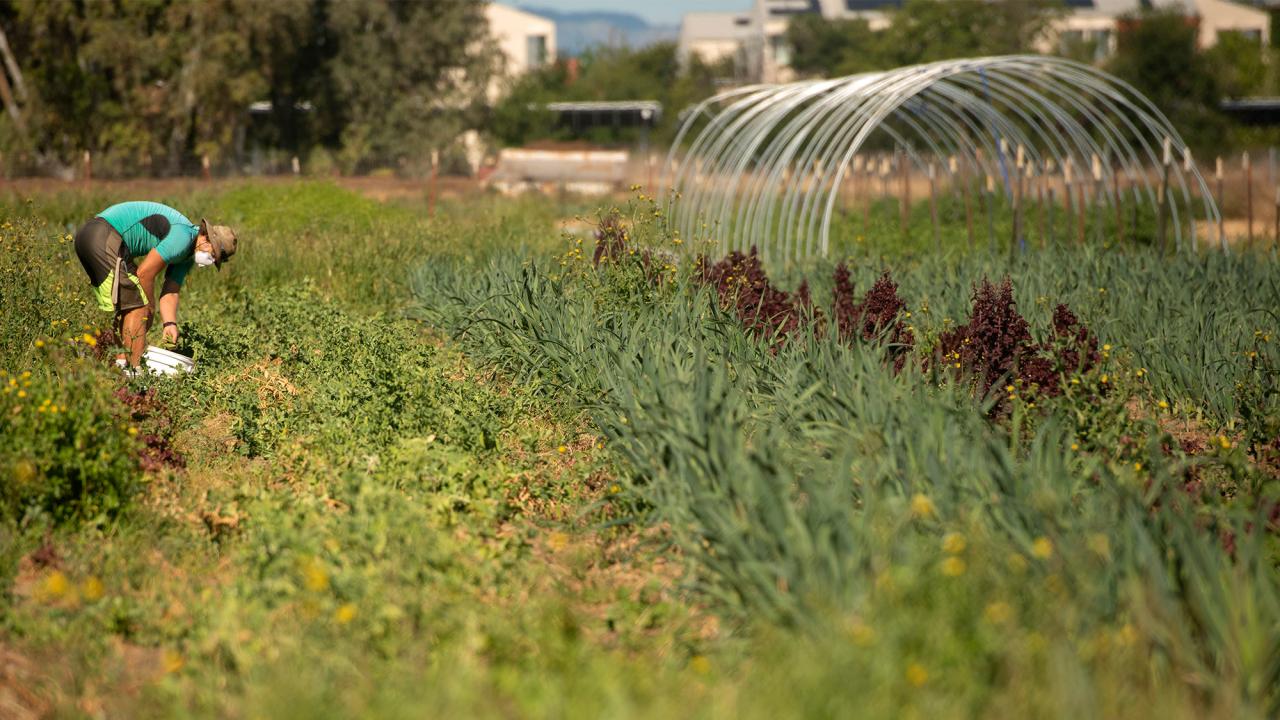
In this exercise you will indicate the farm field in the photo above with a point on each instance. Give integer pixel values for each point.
(465, 465)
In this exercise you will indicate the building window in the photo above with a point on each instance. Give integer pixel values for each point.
(1101, 44)
(781, 50)
(537, 51)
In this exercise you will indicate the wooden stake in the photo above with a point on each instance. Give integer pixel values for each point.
(88, 166)
(904, 198)
(1053, 207)
(933, 207)
(1044, 241)
(431, 193)
(1217, 176)
(1162, 214)
(1115, 190)
(1099, 193)
(1068, 200)
(991, 213)
(1248, 194)
(204, 166)
(1016, 230)
(965, 189)
(1082, 221)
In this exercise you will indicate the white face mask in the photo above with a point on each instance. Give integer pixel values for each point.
(203, 259)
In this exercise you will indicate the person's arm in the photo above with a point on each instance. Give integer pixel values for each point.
(151, 266)
(169, 293)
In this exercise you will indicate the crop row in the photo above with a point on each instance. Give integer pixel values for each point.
(822, 479)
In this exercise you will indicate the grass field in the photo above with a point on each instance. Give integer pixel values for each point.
(452, 465)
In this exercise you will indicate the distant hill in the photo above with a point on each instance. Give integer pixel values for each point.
(577, 31)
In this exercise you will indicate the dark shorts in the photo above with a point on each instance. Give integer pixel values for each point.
(111, 272)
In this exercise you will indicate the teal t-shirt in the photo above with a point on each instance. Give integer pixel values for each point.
(147, 226)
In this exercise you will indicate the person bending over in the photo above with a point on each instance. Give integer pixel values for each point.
(124, 248)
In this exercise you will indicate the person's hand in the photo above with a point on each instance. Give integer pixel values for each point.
(171, 333)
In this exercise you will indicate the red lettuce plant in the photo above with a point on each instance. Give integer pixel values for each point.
(766, 311)
(878, 314)
(996, 345)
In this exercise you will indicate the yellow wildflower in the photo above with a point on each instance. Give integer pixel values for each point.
(917, 675)
(1042, 548)
(998, 612)
(700, 664)
(562, 449)
(55, 586)
(173, 661)
(953, 543)
(1100, 545)
(558, 540)
(953, 566)
(1127, 635)
(861, 633)
(922, 506)
(1163, 405)
(314, 575)
(92, 589)
(345, 613)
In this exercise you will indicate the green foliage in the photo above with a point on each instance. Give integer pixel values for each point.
(67, 445)
(1158, 54)
(345, 384)
(813, 487)
(150, 87)
(918, 32)
(370, 523)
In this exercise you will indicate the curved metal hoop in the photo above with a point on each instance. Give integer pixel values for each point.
(766, 165)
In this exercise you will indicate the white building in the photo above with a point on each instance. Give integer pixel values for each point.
(757, 36)
(527, 41)
(1097, 22)
(716, 37)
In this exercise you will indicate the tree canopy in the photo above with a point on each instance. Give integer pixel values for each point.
(921, 31)
(153, 85)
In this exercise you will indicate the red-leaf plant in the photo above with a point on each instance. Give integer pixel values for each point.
(996, 345)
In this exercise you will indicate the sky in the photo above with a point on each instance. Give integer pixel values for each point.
(667, 12)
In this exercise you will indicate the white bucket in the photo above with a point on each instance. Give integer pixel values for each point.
(166, 362)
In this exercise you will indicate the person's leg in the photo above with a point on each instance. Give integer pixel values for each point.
(133, 332)
(122, 357)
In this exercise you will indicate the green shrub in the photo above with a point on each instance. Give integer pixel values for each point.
(68, 447)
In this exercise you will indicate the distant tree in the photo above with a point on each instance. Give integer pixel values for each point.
(1242, 64)
(921, 31)
(411, 75)
(1157, 54)
(834, 47)
(929, 30)
(153, 85)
